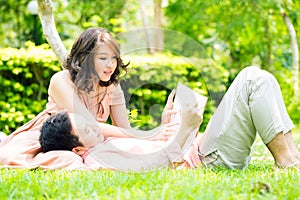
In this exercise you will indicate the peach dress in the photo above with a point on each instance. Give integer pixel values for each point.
(21, 149)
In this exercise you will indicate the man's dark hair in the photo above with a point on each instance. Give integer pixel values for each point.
(56, 133)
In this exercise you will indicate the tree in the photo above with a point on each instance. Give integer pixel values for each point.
(159, 37)
(50, 32)
(295, 51)
(146, 27)
(245, 32)
(81, 14)
(154, 36)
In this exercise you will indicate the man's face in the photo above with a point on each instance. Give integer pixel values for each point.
(86, 135)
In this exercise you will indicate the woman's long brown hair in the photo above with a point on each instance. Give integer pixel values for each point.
(80, 61)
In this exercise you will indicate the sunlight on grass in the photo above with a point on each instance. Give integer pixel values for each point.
(258, 181)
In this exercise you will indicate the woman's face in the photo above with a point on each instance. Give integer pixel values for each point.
(105, 61)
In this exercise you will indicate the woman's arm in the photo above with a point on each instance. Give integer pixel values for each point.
(163, 132)
(118, 111)
(119, 116)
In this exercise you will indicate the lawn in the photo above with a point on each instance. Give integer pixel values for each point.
(258, 181)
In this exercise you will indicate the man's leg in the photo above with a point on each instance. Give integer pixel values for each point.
(292, 145)
(248, 106)
(288, 124)
(281, 152)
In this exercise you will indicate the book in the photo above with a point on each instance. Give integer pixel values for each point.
(185, 95)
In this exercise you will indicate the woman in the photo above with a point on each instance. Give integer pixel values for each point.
(88, 86)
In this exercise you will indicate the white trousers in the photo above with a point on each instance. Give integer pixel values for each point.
(253, 104)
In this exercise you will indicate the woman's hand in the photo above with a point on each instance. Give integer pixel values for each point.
(168, 110)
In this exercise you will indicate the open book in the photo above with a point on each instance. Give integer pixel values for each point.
(185, 95)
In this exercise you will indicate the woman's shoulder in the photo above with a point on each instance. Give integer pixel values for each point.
(62, 74)
(60, 81)
(61, 77)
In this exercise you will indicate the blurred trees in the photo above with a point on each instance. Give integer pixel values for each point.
(239, 33)
(225, 36)
(71, 17)
(16, 24)
(233, 33)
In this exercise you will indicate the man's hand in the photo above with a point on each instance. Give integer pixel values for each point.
(168, 110)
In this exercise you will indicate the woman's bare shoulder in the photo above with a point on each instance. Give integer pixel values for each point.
(60, 84)
(61, 76)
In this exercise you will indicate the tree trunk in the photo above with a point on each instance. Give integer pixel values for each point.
(49, 29)
(146, 27)
(295, 51)
(158, 24)
(268, 57)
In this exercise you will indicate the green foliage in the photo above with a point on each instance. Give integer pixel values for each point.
(75, 16)
(71, 17)
(24, 78)
(284, 78)
(294, 110)
(17, 24)
(249, 32)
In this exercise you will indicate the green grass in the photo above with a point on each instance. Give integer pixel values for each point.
(258, 181)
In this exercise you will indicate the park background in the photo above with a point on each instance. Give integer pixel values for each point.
(201, 43)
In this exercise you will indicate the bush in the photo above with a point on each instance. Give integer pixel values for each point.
(284, 77)
(24, 78)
